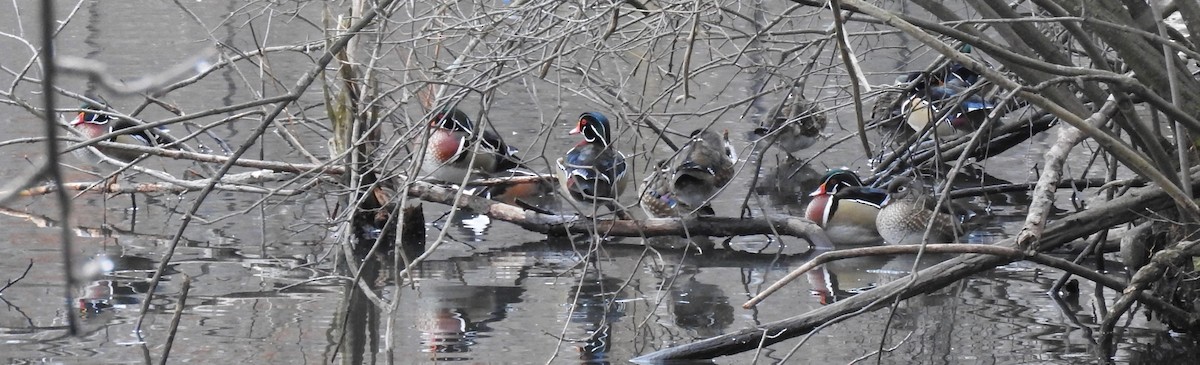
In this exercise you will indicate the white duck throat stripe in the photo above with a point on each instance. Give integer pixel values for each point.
(97, 118)
(594, 134)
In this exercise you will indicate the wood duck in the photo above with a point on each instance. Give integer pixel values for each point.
(908, 211)
(537, 195)
(945, 89)
(92, 125)
(845, 208)
(704, 167)
(971, 107)
(593, 170)
(451, 149)
(796, 125)
(919, 112)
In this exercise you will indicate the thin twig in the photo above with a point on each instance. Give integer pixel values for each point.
(305, 81)
(53, 171)
(14, 281)
(183, 294)
(856, 86)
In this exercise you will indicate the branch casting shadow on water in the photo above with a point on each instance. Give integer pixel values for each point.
(1108, 214)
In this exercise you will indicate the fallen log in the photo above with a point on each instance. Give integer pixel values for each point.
(561, 225)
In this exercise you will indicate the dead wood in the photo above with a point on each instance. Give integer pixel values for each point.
(14, 281)
(1076, 184)
(1117, 211)
(235, 182)
(961, 248)
(559, 224)
(1003, 138)
(1177, 256)
(327, 168)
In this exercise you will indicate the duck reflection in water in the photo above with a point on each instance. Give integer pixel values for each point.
(702, 309)
(835, 281)
(787, 184)
(825, 285)
(445, 330)
(99, 296)
(596, 306)
(453, 316)
(107, 289)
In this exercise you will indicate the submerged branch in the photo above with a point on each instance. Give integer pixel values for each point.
(235, 182)
(999, 251)
(240, 162)
(1101, 216)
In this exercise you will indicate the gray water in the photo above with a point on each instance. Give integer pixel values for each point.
(494, 293)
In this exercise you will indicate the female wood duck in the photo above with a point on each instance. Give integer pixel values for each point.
(796, 125)
(451, 149)
(92, 124)
(592, 170)
(704, 167)
(908, 211)
(845, 208)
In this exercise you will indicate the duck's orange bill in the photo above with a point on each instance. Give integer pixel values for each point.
(820, 190)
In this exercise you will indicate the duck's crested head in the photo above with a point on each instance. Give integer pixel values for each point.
(843, 176)
(836, 179)
(594, 127)
(89, 116)
(453, 119)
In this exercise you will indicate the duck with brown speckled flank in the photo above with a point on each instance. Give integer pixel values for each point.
(684, 185)
(909, 211)
(796, 125)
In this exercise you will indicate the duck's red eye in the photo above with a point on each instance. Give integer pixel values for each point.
(579, 126)
(438, 120)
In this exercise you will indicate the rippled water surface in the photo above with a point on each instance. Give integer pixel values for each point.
(264, 286)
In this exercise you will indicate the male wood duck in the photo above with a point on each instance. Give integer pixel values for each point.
(908, 211)
(451, 149)
(593, 170)
(92, 124)
(845, 208)
(972, 107)
(704, 167)
(945, 89)
(537, 195)
(796, 125)
(920, 112)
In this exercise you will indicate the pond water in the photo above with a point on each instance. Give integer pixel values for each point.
(260, 271)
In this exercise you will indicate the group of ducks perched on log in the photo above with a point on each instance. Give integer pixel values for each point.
(593, 172)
